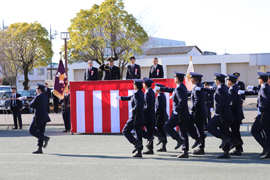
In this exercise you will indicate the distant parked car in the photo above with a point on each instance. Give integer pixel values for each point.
(5, 103)
(5, 88)
(25, 103)
(211, 83)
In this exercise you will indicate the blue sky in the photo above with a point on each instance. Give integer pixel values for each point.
(234, 26)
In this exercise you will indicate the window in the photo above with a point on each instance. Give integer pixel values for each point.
(31, 72)
(41, 72)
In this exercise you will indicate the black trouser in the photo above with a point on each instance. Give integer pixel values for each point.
(17, 115)
(66, 118)
(48, 106)
(235, 127)
(258, 127)
(55, 103)
(160, 132)
(38, 131)
(198, 131)
(208, 116)
(127, 132)
(149, 132)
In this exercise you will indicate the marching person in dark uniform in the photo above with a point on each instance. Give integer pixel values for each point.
(133, 70)
(55, 103)
(156, 70)
(15, 108)
(40, 119)
(49, 95)
(149, 114)
(137, 119)
(111, 72)
(219, 125)
(198, 114)
(91, 73)
(180, 115)
(262, 122)
(241, 86)
(161, 119)
(238, 115)
(209, 101)
(66, 111)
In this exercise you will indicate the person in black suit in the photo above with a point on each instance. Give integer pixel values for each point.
(40, 119)
(238, 115)
(209, 101)
(180, 115)
(112, 72)
(156, 70)
(66, 111)
(91, 73)
(133, 70)
(15, 108)
(241, 86)
(137, 119)
(55, 103)
(49, 95)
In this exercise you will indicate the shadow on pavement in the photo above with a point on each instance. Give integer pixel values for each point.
(92, 156)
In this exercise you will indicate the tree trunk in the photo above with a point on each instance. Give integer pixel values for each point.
(26, 79)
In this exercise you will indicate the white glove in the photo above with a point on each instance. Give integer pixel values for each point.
(259, 112)
(171, 97)
(211, 109)
(243, 101)
(231, 103)
(157, 88)
(130, 110)
(216, 114)
(250, 87)
(198, 88)
(22, 98)
(241, 92)
(106, 63)
(174, 112)
(117, 97)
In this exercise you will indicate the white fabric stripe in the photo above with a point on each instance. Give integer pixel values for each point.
(115, 118)
(168, 103)
(80, 107)
(130, 92)
(97, 111)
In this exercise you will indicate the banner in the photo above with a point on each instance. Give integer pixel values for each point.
(60, 82)
(187, 79)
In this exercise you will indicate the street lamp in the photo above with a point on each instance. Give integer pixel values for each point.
(65, 36)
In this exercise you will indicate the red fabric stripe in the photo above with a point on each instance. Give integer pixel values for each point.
(106, 112)
(73, 110)
(123, 109)
(89, 116)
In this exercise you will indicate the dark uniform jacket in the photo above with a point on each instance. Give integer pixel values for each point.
(149, 106)
(241, 86)
(161, 113)
(39, 104)
(66, 102)
(198, 108)
(135, 73)
(48, 92)
(236, 103)
(156, 72)
(91, 75)
(137, 103)
(209, 100)
(180, 96)
(110, 73)
(18, 103)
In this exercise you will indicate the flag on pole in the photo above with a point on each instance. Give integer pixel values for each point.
(60, 82)
(187, 79)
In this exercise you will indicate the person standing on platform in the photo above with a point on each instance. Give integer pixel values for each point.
(16, 108)
(55, 103)
(219, 125)
(66, 111)
(91, 73)
(40, 119)
(156, 70)
(149, 114)
(261, 126)
(238, 115)
(112, 72)
(133, 70)
(161, 119)
(209, 101)
(180, 115)
(136, 121)
(241, 86)
(49, 95)
(198, 114)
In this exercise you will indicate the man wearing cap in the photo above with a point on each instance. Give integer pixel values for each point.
(156, 70)
(133, 70)
(15, 108)
(261, 124)
(238, 115)
(40, 119)
(198, 114)
(137, 119)
(161, 118)
(180, 115)
(209, 101)
(241, 86)
(66, 111)
(219, 125)
(112, 72)
(91, 73)
(149, 114)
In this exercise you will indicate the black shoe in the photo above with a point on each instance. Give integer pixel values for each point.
(234, 144)
(198, 151)
(225, 140)
(266, 150)
(225, 155)
(197, 142)
(150, 141)
(46, 140)
(162, 149)
(236, 153)
(267, 156)
(149, 151)
(14, 128)
(138, 155)
(183, 155)
(20, 128)
(179, 143)
(137, 146)
(160, 140)
(38, 151)
(66, 130)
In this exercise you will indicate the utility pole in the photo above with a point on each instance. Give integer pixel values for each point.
(51, 47)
